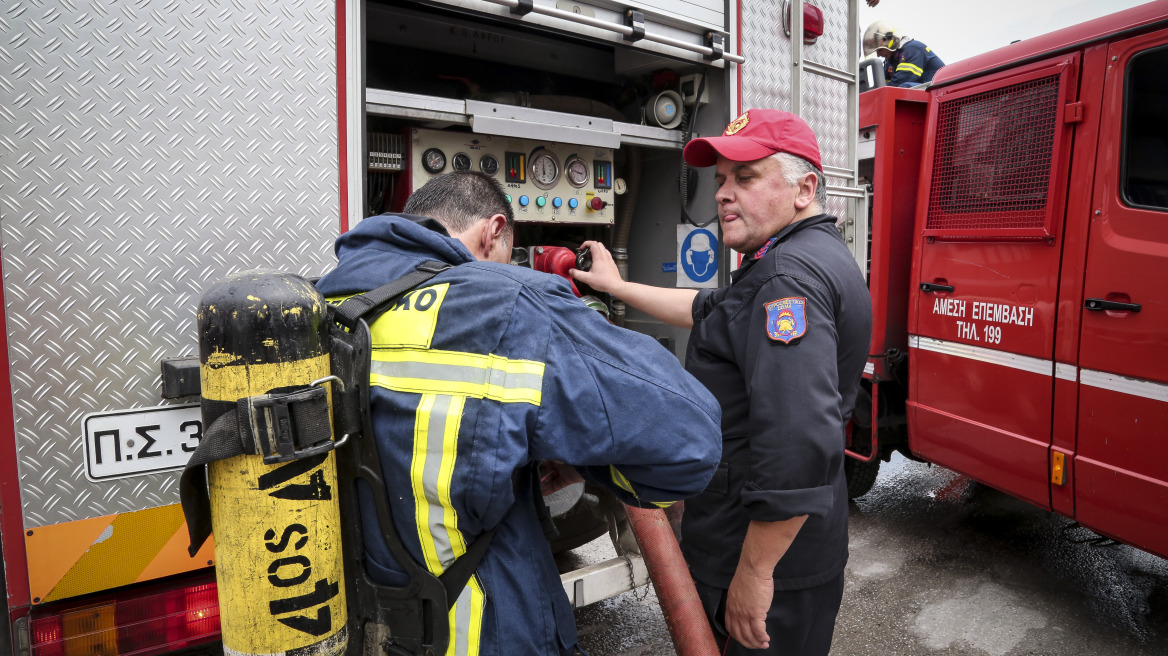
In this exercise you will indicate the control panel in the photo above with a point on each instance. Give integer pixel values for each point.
(545, 182)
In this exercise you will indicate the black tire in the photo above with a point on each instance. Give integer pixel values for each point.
(861, 476)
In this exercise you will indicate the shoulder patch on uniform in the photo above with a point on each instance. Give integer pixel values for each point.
(786, 319)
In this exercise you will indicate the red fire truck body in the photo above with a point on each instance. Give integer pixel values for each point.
(1018, 255)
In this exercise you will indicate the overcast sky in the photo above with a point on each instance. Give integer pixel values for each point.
(957, 29)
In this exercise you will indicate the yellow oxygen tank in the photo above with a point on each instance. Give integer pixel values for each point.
(276, 526)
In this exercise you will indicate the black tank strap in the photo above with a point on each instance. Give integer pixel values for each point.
(371, 304)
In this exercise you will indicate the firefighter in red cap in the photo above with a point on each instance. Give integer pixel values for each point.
(782, 348)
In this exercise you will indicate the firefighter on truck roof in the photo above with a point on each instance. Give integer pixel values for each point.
(907, 61)
(487, 369)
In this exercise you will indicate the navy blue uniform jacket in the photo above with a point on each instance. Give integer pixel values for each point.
(782, 348)
(488, 367)
(914, 63)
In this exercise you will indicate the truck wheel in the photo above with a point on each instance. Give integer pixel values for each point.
(861, 475)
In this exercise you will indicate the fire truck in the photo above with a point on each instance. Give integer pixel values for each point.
(1017, 257)
(149, 149)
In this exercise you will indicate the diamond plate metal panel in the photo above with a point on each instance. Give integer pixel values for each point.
(147, 149)
(832, 49)
(766, 76)
(825, 108)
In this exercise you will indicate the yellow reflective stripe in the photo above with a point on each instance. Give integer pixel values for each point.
(662, 504)
(478, 604)
(905, 66)
(446, 474)
(431, 471)
(463, 374)
(466, 621)
(438, 418)
(466, 616)
(620, 481)
(417, 483)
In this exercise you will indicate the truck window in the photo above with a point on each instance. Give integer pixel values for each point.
(1145, 132)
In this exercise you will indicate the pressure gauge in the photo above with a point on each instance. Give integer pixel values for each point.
(460, 162)
(433, 160)
(545, 172)
(576, 171)
(489, 165)
(620, 186)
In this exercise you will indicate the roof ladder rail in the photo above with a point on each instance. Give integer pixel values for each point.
(855, 227)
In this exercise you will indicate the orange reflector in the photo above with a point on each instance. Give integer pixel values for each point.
(90, 631)
(1056, 468)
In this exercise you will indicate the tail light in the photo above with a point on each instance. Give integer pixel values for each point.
(129, 624)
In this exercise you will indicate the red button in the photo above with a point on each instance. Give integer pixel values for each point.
(597, 204)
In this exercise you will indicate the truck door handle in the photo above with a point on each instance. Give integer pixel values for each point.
(934, 287)
(1099, 304)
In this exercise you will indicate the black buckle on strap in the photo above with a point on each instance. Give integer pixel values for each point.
(283, 434)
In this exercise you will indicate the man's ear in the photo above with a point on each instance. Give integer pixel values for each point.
(491, 236)
(807, 186)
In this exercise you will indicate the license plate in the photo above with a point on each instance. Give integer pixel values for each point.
(135, 442)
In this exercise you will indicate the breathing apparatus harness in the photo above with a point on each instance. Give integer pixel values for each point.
(292, 424)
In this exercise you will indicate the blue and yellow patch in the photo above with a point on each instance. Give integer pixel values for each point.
(786, 319)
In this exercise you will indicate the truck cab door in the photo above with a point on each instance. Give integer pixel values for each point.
(986, 275)
(1120, 473)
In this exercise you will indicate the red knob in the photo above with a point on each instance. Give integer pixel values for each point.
(597, 203)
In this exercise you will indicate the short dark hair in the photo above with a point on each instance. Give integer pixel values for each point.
(460, 199)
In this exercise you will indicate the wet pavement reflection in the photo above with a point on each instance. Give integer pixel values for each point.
(941, 564)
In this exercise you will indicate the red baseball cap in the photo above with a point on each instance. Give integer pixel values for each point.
(756, 134)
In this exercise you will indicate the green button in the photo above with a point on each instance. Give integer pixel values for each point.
(540, 201)
(508, 198)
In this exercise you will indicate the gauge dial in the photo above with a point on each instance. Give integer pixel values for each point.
(433, 160)
(460, 162)
(620, 186)
(545, 172)
(576, 171)
(489, 165)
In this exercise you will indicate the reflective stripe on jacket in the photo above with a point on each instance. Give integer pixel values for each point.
(914, 63)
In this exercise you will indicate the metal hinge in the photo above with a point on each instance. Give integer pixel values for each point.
(1073, 113)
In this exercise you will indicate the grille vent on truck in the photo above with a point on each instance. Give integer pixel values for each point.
(992, 165)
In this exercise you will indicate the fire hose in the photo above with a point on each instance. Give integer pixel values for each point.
(683, 611)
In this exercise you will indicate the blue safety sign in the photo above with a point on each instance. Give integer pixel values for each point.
(697, 257)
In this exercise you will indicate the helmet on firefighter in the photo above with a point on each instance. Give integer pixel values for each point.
(881, 34)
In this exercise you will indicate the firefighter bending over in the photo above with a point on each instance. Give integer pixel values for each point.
(486, 369)
(907, 62)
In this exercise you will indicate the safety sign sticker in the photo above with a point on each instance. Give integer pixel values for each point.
(697, 257)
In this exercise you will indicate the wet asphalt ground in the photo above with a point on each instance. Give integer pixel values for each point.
(943, 565)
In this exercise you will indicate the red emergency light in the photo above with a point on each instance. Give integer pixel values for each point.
(812, 22)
